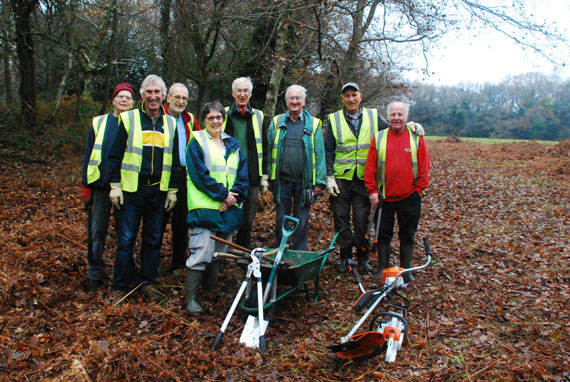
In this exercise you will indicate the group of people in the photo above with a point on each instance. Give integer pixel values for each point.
(156, 163)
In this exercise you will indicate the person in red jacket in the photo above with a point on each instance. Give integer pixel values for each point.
(396, 175)
(176, 101)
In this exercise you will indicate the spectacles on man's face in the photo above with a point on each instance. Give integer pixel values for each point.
(295, 98)
(180, 98)
(242, 91)
(212, 118)
(124, 97)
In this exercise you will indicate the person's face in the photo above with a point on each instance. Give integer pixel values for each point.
(242, 94)
(152, 98)
(123, 101)
(295, 102)
(351, 99)
(398, 117)
(177, 100)
(214, 122)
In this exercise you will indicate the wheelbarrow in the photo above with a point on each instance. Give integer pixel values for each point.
(284, 271)
(386, 329)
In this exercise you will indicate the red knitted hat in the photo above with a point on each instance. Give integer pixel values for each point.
(123, 86)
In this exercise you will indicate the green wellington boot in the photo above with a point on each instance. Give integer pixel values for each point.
(193, 281)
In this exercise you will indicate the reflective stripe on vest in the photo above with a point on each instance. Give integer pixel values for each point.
(99, 125)
(257, 124)
(351, 152)
(132, 160)
(382, 137)
(274, 150)
(223, 172)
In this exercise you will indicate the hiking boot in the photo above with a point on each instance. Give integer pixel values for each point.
(345, 254)
(153, 294)
(94, 285)
(118, 297)
(343, 266)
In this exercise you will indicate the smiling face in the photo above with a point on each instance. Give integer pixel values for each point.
(214, 121)
(351, 99)
(397, 116)
(242, 94)
(177, 100)
(295, 102)
(152, 98)
(123, 101)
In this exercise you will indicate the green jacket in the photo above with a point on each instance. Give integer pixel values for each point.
(314, 173)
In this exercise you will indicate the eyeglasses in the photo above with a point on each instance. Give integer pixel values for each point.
(295, 98)
(180, 98)
(214, 118)
(242, 91)
(125, 97)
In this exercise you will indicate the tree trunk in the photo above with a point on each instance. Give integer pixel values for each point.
(63, 82)
(165, 6)
(25, 52)
(110, 56)
(7, 74)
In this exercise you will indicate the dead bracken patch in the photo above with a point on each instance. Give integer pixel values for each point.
(493, 305)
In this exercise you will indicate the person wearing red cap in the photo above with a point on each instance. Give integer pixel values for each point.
(95, 180)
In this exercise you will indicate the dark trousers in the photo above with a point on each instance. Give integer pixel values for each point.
(179, 223)
(291, 204)
(147, 204)
(408, 211)
(353, 197)
(243, 236)
(99, 226)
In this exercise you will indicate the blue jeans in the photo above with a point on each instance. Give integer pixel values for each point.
(99, 225)
(291, 204)
(147, 204)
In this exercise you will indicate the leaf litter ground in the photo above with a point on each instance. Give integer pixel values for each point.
(493, 305)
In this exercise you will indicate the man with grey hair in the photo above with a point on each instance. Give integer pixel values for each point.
(396, 175)
(246, 125)
(298, 169)
(143, 186)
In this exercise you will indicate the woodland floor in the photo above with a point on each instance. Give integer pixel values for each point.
(492, 306)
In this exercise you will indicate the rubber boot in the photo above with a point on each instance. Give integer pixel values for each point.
(383, 258)
(345, 254)
(193, 281)
(364, 260)
(210, 279)
(406, 253)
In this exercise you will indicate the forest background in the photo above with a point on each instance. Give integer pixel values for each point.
(61, 59)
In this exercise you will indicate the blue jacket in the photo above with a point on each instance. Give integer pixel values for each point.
(215, 220)
(319, 150)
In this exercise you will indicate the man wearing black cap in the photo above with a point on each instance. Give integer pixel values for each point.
(95, 179)
(346, 145)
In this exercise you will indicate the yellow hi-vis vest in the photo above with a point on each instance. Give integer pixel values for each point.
(381, 142)
(257, 124)
(132, 160)
(99, 124)
(351, 152)
(274, 150)
(223, 172)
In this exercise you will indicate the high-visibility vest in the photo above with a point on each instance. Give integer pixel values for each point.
(132, 160)
(99, 125)
(351, 152)
(257, 124)
(274, 150)
(224, 172)
(381, 142)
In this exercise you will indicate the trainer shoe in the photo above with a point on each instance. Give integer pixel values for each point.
(153, 294)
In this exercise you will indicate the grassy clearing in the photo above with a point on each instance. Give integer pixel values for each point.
(489, 140)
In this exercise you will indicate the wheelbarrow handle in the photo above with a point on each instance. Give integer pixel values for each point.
(234, 245)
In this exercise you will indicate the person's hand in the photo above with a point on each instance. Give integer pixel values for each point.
(230, 200)
(318, 191)
(416, 128)
(116, 195)
(332, 187)
(86, 196)
(170, 201)
(224, 207)
(264, 183)
(374, 201)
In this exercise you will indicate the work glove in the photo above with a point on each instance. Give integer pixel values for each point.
(86, 196)
(116, 195)
(332, 187)
(416, 128)
(264, 183)
(170, 199)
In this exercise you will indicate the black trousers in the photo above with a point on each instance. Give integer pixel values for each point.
(408, 211)
(179, 215)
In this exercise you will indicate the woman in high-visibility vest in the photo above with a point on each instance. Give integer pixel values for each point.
(217, 185)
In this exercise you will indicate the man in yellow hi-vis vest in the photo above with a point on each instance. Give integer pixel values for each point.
(143, 185)
(95, 181)
(347, 141)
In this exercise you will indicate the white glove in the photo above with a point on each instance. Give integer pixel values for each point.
(332, 187)
(170, 199)
(416, 128)
(264, 183)
(116, 195)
